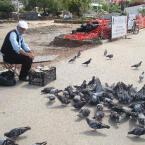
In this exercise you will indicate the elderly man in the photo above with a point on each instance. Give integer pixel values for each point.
(16, 51)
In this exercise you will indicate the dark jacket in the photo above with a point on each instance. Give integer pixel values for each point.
(7, 48)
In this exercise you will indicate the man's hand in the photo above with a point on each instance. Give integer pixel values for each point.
(31, 54)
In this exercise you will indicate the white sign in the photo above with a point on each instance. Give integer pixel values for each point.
(119, 26)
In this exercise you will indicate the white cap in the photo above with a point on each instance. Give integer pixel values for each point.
(23, 24)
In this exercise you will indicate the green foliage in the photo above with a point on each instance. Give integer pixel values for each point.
(75, 6)
(30, 4)
(142, 11)
(6, 6)
(105, 7)
(111, 7)
(44, 5)
(114, 8)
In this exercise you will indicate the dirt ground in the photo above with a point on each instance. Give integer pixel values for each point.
(23, 104)
(41, 33)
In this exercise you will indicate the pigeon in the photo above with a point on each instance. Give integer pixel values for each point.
(76, 98)
(78, 105)
(114, 116)
(14, 133)
(96, 125)
(99, 107)
(46, 90)
(141, 77)
(55, 91)
(136, 66)
(87, 62)
(63, 100)
(131, 114)
(51, 97)
(40, 143)
(73, 59)
(141, 119)
(99, 115)
(83, 113)
(105, 52)
(82, 86)
(110, 56)
(137, 131)
(50, 90)
(92, 81)
(117, 108)
(78, 55)
(108, 102)
(7, 142)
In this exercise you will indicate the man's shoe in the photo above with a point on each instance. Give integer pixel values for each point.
(24, 79)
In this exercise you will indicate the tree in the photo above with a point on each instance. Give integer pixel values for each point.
(6, 8)
(30, 4)
(44, 5)
(74, 6)
(77, 7)
(115, 8)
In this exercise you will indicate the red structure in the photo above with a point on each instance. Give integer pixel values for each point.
(102, 30)
(140, 21)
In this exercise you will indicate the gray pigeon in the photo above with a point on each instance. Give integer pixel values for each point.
(14, 133)
(137, 131)
(87, 62)
(51, 97)
(110, 56)
(7, 142)
(50, 90)
(141, 119)
(105, 52)
(83, 113)
(99, 107)
(92, 81)
(64, 100)
(136, 66)
(141, 77)
(79, 53)
(96, 125)
(73, 59)
(99, 115)
(40, 143)
(47, 90)
(114, 116)
(78, 105)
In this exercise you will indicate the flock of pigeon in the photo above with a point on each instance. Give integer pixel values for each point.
(109, 57)
(13, 135)
(123, 102)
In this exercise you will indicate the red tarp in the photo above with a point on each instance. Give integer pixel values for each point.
(81, 36)
(102, 29)
(141, 21)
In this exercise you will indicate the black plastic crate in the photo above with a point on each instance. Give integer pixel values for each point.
(42, 77)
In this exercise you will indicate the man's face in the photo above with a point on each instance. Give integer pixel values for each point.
(21, 30)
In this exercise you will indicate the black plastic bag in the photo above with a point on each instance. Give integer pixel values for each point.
(7, 78)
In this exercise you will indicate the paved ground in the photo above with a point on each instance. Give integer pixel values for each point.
(24, 105)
